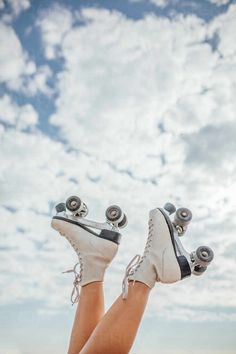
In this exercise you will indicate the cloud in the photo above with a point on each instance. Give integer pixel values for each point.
(164, 3)
(224, 25)
(17, 71)
(204, 149)
(219, 2)
(160, 3)
(165, 73)
(112, 88)
(54, 24)
(21, 117)
(13, 8)
(13, 60)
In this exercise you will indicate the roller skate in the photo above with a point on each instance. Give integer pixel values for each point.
(165, 259)
(95, 243)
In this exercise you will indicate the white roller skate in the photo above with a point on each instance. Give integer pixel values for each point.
(164, 258)
(95, 243)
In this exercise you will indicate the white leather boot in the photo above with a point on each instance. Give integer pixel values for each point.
(164, 258)
(96, 245)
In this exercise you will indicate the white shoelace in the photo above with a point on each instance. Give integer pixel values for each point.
(128, 272)
(76, 288)
(135, 263)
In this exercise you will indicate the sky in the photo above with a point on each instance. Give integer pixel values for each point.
(126, 102)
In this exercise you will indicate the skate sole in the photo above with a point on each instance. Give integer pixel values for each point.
(104, 234)
(184, 267)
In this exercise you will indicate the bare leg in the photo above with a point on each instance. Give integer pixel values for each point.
(116, 331)
(89, 311)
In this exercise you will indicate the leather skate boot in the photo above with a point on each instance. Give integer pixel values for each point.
(96, 244)
(164, 259)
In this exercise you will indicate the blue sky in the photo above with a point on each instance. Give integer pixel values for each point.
(125, 102)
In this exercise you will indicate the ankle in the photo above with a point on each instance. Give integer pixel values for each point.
(137, 289)
(138, 285)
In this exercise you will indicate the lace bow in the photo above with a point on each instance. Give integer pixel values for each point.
(75, 292)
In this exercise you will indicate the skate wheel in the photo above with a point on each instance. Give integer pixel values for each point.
(123, 222)
(60, 207)
(114, 214)
(170, 208)
(183, 216)
(204, 255)
(198, 270)
(74, 203)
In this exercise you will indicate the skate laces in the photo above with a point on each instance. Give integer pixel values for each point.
(128, 272)
(136, 262)
(76, 288)
(149, 241)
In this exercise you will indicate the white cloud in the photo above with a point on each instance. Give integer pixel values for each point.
(38, 82)
(219, 2)
(17, 70)
(164, 71)
(164, 3)
(224, 25)
(12, 57)
(20, 116)
(54, 24)
(13, 8)
(160, 3)
(18, 6)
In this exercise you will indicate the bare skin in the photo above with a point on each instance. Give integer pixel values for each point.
(116, 330)
(89, 311)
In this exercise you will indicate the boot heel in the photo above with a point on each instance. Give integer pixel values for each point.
(184, 267)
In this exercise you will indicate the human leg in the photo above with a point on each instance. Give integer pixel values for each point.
(116, 331)
(96, 245)
(89, 311)
(164, 261)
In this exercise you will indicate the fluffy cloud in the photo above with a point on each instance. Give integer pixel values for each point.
(13, 61)
(17, 71)
(13, 8)
(112, 86)
(215, 154)
(20, 116)
(160, 3)
(124, 88)
(219, 2)
(224, 25)
(54, 26)
(164, 3)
